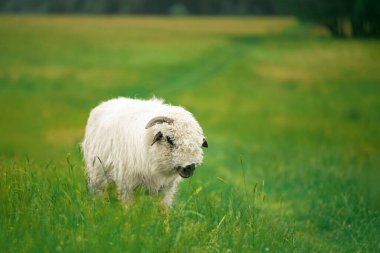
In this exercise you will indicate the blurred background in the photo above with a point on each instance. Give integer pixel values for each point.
(287, 92)
(342, 18)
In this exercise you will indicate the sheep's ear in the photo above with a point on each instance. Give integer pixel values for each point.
(204, 144)
(159, 120)
(157, 137)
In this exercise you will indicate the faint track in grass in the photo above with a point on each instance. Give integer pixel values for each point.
(214, 62)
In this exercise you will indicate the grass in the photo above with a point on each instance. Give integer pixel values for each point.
(291, 116)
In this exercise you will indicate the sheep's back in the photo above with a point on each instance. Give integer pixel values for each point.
(116, 131)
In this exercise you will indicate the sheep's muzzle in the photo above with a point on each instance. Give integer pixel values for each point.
(186, 171)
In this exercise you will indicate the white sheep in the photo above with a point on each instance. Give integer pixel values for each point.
(141, 143)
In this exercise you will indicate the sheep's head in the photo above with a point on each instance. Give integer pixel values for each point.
(175, 144)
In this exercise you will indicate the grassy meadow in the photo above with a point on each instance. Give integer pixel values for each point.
(291, 116)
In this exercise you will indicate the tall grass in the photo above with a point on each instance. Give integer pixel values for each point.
(48, 208)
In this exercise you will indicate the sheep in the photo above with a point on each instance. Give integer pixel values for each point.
(141, 143)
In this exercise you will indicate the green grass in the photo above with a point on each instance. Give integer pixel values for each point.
(291, 116)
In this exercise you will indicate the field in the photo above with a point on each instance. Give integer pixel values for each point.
(291, 116)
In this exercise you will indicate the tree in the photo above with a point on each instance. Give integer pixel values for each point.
(365, 18)
(358, 18)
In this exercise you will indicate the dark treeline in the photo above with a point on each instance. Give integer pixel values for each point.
(162, 7)
(358, 18)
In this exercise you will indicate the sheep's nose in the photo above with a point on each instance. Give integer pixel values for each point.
(190, 167)
(186, 171)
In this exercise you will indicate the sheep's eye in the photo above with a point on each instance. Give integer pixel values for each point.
(204, 144)
(170, 141)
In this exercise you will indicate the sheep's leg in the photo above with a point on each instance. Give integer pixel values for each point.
(94, 188)
(169, 193)
(96, 175)
(125, 193)
(95, 183)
